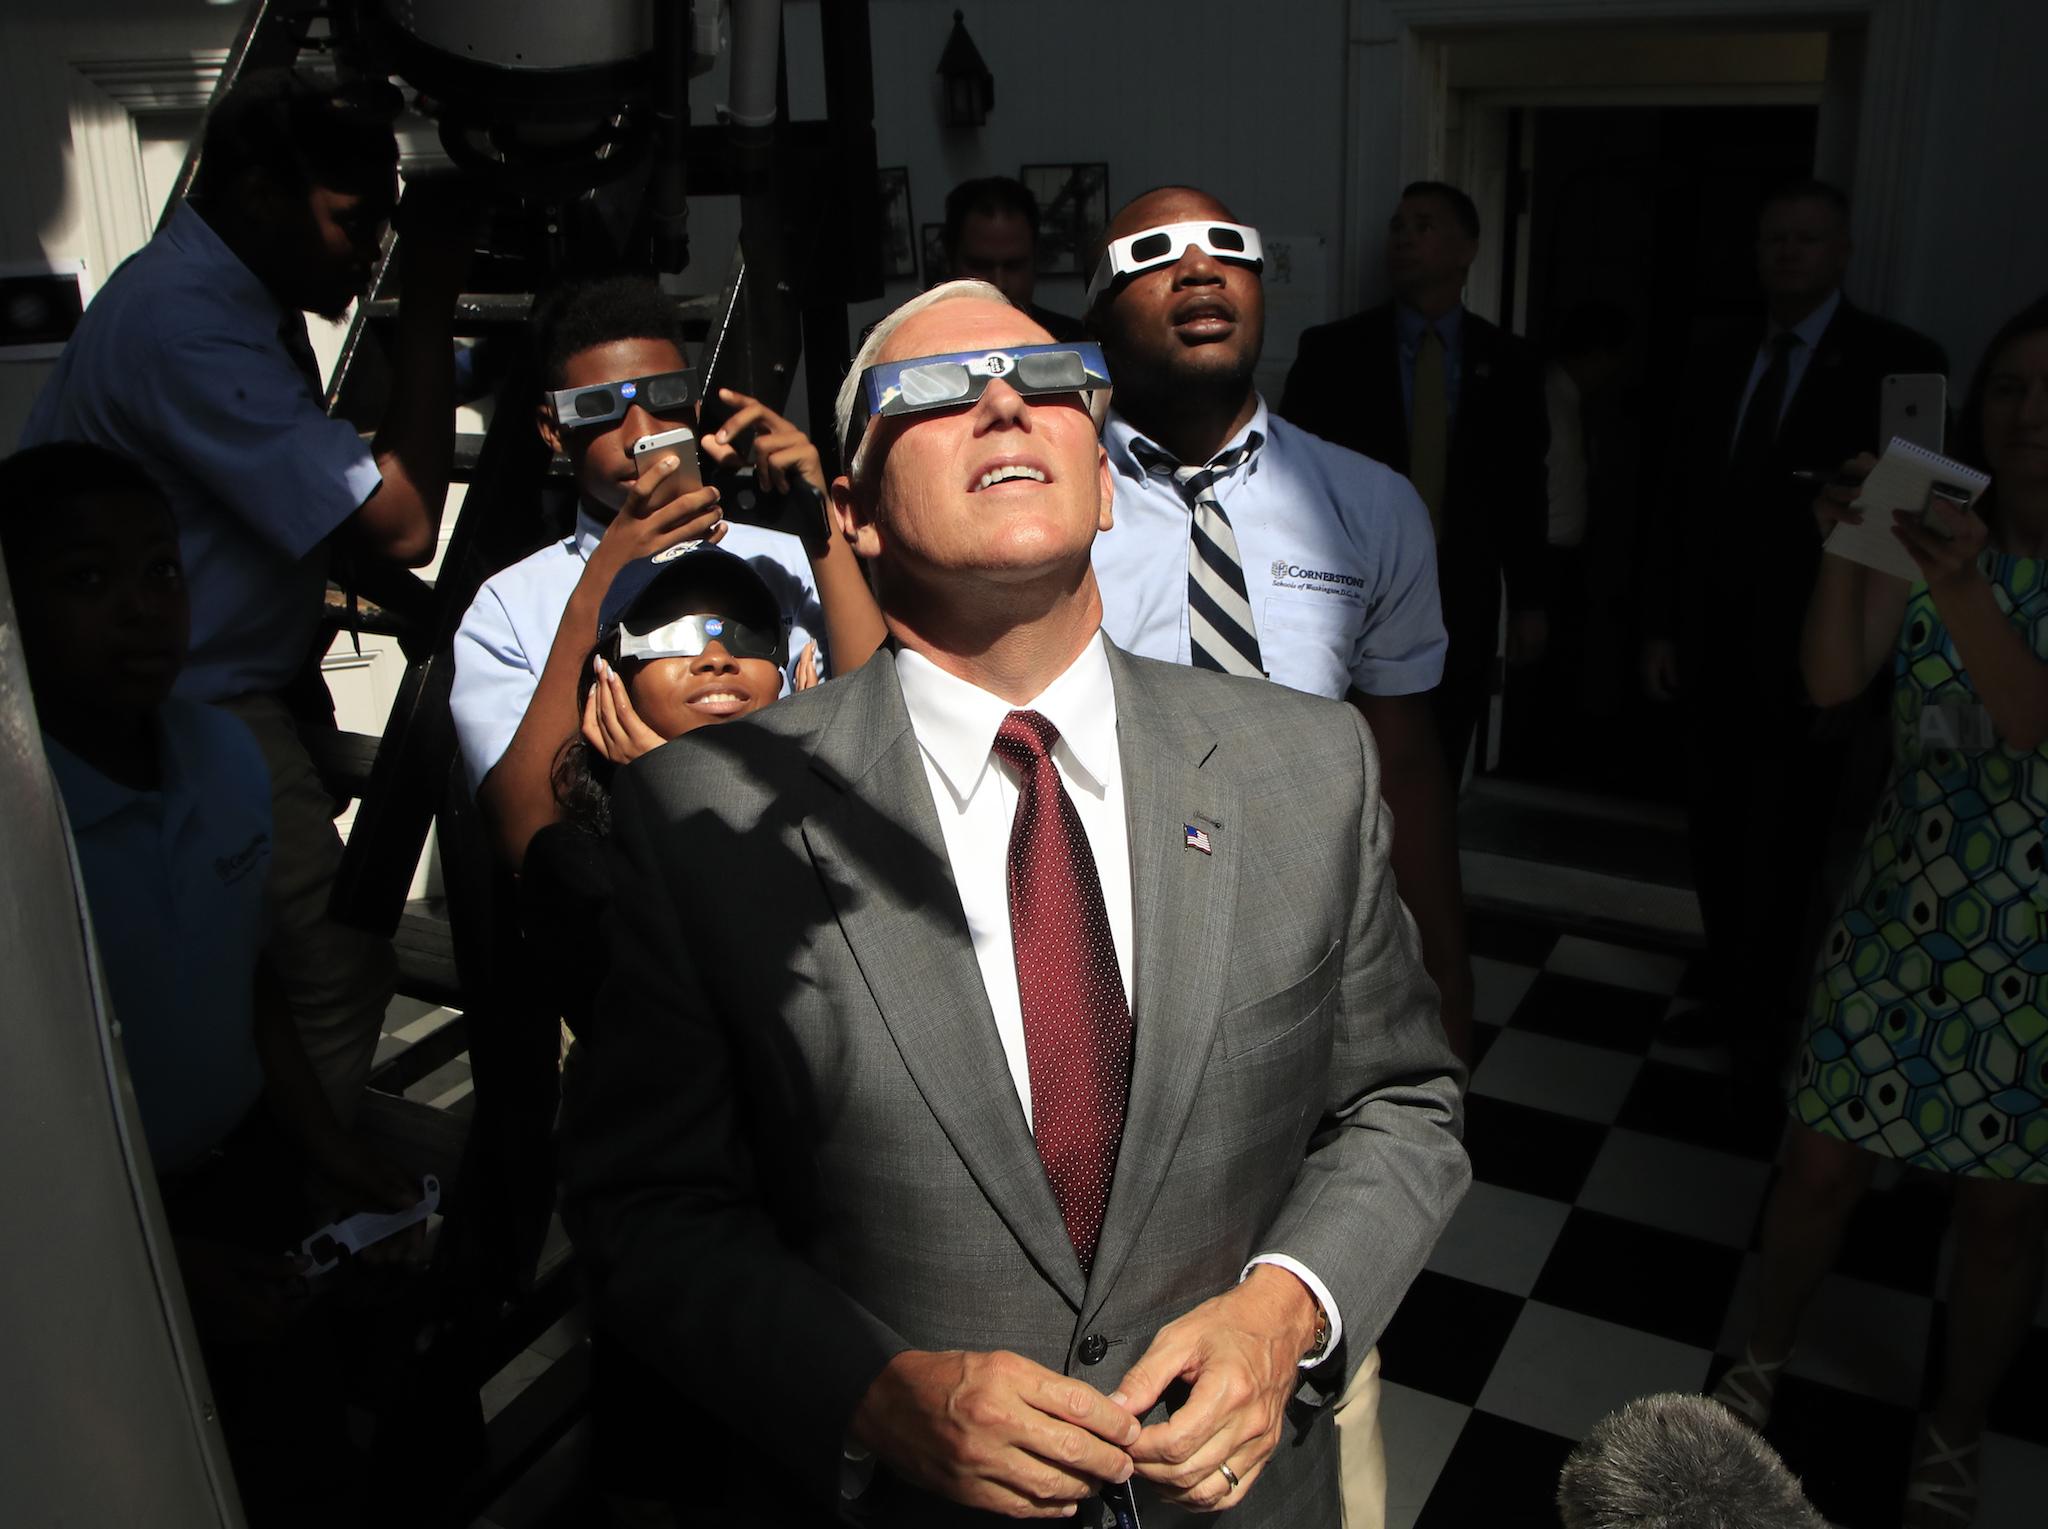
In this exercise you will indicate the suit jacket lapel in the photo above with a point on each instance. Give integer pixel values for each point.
(1183, 903)
(878, 847)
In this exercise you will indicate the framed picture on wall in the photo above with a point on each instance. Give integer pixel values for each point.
(899, 232)
(932, 239)
(41, 302)
(1073, 212)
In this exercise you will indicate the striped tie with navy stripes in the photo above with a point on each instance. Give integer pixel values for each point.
(1221, 632)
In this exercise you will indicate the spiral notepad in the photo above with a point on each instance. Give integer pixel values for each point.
(1900, 481)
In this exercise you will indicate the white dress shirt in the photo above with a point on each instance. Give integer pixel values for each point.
(975, 794)
(1807, 332)
(1566, 461)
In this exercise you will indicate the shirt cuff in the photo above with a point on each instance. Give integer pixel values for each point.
(1317, 1288)
(856, 1472)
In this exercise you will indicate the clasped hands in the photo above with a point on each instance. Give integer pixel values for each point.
(999, 1432)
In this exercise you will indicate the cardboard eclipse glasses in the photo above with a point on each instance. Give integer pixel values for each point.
(1152, 247)
(688, 636)
(661, 393)
(919, 384)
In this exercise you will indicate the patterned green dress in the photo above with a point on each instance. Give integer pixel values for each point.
(1927, 1034)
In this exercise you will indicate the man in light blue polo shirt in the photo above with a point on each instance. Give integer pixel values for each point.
(1334, 550)
(1330, 543)
(615, 347)
(193, 360)
(1246, 545)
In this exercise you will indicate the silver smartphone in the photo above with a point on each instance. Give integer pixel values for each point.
(1914, 407)
(682, 441)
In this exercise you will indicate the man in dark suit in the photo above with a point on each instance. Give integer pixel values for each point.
(1733, 555)
(1456, 403)
(1018, 1078)
(991, 234)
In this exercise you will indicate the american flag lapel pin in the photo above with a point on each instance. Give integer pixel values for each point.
(1197, 839)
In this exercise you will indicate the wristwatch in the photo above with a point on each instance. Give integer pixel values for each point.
(1318, 1349)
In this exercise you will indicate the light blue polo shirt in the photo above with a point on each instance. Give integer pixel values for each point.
(509, 629)
(175, 880)
(1339, 562)
(180, 363)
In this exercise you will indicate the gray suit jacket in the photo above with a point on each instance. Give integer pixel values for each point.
(793, 1148)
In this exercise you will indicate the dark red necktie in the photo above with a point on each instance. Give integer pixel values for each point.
(1077, 1024)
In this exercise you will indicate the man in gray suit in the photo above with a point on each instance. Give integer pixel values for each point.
(1018, 1087)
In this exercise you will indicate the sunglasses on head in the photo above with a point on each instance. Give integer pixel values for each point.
(662, 393)
(688, 636)
(1153, 247)
(920, 384)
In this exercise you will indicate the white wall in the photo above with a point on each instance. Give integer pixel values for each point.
(1977, 249)
(1244, 101)
(1249, 102)
(61, 203)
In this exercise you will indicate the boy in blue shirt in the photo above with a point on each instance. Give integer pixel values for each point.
(169, 805)
(524, 641)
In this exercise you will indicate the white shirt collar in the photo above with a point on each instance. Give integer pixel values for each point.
(1118, 433)
(588, 533)
(1814, 325)
(955, 721)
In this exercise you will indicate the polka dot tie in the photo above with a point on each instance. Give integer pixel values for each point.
(1077, 1024)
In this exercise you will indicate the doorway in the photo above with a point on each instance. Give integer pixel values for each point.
(1643, 215)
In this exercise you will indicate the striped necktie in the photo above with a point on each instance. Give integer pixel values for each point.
(1221, 633)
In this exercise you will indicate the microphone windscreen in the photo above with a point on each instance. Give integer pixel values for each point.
(1679, 1462)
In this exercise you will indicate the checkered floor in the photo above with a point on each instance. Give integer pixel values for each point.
(1607, 1251)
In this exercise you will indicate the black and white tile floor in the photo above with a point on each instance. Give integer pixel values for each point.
(1607, 1251)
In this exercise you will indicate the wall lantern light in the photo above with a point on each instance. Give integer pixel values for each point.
(970, 88)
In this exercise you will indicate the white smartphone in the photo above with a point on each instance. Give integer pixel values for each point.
(1914, 407)
(682, 441)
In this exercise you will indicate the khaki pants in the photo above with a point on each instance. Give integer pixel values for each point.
(1361, 1458)
(338, 980)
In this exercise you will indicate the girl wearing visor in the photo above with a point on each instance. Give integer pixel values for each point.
(683, 642)
(685, 639)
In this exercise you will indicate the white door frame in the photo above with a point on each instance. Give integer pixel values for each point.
(108, 94)
(1397, 92)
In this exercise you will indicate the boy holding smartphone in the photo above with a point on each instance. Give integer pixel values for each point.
(612, 356)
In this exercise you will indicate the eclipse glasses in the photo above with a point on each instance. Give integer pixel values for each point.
(921, 384)
(638, 620)
(1152, 247)
(663, 393)
(688, 636)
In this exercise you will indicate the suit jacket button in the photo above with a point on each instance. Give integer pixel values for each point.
(1093, 1347)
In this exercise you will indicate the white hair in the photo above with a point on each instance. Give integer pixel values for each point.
(871, 347)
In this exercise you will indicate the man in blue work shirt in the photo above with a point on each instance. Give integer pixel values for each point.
(614, 347)
(193, 360)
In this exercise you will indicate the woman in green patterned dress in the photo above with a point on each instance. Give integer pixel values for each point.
(1927, 1035)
